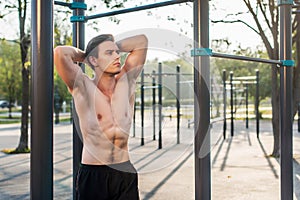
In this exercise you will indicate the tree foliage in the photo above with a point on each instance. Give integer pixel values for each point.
(10, 73)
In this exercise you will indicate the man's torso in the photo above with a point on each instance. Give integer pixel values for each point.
(104, 121)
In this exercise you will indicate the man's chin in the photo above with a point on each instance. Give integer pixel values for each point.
(115, 73)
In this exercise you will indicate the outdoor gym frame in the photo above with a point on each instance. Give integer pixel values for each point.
(41, 177)
(244, 81)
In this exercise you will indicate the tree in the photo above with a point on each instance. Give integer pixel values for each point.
(10, 76)
(24, 40)
(268, 30)
(24, 43)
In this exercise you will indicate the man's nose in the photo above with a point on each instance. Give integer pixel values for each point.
(117, 55)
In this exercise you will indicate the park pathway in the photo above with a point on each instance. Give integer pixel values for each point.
(241, 167)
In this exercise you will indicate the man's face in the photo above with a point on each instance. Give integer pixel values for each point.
(108, 57)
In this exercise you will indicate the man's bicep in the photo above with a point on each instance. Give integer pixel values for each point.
(135, 59)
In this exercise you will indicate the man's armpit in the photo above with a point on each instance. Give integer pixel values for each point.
(78, 83)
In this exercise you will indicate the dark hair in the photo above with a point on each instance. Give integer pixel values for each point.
(91, 48)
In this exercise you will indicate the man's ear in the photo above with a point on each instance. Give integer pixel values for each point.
(92, 60)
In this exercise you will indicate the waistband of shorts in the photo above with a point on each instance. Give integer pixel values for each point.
(123, 166)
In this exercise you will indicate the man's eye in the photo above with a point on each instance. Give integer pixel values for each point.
(118, 51)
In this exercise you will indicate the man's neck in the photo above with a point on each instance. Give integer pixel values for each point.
(106, 83)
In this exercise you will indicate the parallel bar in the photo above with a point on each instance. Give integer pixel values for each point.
(78, 41)
(201, 103)
(150, 87)
(168, 74)
(134, 9)
(41, 159)
(286, 110)
(245, 78)
(245, 58)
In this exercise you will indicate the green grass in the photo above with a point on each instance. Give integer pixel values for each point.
(15, 151)
(7, 120)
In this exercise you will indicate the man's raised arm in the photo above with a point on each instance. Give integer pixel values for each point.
(64, 60)
(137, 48)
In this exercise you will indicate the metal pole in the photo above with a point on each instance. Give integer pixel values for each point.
(41, 160)
(154, 102)
(286, 116)
(78, 41)
(142, 108)
(160, 105)
(298, 117)
(134, 9)
(224, 104)
(134, 119)
(231, 103)
(257, 103)
(247, 112)
(178, 101)
(202, 103)
(245, 58)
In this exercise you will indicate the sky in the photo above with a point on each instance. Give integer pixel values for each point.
(181, 19)
(177, 28)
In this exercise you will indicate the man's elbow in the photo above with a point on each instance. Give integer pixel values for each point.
(144, 40)
(57, 52)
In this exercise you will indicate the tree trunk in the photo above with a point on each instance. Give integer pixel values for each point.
(24, 46)
(23, 143)
(275, 112)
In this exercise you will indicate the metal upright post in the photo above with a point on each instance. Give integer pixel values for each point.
(178, 102)
(41, 159)
(224, 104)
(231, 104)
(142, 108)
(134, 119)
(78, 41)
(298, 107)
(247, 107)
(202, 102)
(286, 114)
(160, 105)
(154, 102)
(257, 103)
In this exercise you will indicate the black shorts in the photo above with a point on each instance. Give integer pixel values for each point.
(99, 182)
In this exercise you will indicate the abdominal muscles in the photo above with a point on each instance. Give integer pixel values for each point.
(105, 142)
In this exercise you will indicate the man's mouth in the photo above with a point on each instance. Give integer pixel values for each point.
(117, 64)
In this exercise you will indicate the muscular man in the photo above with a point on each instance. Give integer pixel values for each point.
(104, 105)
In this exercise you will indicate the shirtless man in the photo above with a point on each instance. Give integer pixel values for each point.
(104, 105)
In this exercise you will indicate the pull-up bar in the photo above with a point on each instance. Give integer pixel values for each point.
(138, 8)
(80, 18)
(209, 52)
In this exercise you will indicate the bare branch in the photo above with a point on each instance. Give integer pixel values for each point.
(236, 21)
(259, 26)
(263, 11)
